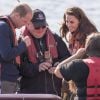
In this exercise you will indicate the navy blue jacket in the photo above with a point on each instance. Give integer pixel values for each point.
(8, 53)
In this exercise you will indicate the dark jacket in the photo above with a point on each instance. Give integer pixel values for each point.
(77, 71)
(34, 81)
(8, 52)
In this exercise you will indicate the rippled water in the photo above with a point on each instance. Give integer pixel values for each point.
(54, 9)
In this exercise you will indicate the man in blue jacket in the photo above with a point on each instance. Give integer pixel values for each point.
(9, 47)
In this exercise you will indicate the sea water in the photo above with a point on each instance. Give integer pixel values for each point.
(54, 9)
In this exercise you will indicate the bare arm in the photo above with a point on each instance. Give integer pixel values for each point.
(77, 55)
(57, 72)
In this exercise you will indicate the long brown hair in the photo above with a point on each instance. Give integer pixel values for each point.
(85, 25)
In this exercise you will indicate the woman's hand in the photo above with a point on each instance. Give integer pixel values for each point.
(80, 53)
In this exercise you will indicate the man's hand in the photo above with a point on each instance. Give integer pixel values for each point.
(27, 41)
(51, 70)
(44, 66)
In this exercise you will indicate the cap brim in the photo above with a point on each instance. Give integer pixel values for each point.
(40, 23)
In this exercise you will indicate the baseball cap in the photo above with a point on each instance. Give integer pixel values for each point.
(39, 18)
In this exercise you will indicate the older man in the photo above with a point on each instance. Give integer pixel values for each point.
(40, 61)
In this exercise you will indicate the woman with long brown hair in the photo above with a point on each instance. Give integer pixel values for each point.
(75, 28)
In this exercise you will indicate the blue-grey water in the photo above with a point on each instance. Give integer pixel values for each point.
(54, 9)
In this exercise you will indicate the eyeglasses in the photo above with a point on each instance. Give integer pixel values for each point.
(37, 28)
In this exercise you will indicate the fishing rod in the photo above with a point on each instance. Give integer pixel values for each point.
(18, 1)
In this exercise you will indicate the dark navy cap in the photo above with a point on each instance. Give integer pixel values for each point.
(39, 18)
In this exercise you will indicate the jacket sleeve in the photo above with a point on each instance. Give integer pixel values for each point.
(75, 70)
(63, 52)
(27, 68)
(7, 50)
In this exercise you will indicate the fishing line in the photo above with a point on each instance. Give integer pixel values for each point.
(53, 83)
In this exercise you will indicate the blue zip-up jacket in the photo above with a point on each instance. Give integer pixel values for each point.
(8, 53)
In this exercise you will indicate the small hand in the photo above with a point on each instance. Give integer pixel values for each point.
(80, 53)
(27, 41)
